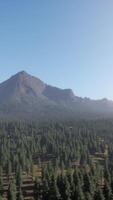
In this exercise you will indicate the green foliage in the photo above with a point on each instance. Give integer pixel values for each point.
(12, 191)
(20, 195)
(75, 159)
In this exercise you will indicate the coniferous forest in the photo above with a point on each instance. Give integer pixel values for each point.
(56, 161)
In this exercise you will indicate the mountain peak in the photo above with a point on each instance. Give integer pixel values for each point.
(24, 80)
(21, 73)
(27, 96)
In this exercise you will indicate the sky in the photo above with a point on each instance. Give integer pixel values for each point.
(65, 43)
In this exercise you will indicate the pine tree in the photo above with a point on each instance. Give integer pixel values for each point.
(107, 192)
(12, 191)
(45, 189)
(79, 192)
(19, 178)
(1, 198)
(99, 195)
(107, 173)
(20, 195)
(88, 184)
(1, 185)
(54, 193)
(38, 190)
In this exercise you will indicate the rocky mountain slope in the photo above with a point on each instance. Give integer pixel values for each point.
(26, 97)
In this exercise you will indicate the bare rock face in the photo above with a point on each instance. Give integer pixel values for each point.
(27, 97)
(20, 85)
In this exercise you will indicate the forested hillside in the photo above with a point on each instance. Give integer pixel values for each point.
(56, 161)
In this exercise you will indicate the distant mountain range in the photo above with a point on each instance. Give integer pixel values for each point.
(26, 97)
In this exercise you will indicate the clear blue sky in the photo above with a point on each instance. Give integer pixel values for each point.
(67, 43)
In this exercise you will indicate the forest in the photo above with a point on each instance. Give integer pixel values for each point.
(71, 160)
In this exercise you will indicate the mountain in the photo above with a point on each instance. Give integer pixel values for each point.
(26, 97)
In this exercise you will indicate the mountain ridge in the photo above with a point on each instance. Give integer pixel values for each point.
(26, 96)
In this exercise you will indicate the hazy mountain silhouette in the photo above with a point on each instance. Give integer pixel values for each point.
(26, 97)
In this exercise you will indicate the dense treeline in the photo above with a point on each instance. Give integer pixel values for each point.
(75, 159)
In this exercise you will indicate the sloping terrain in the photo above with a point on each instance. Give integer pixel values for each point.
(26, 97)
